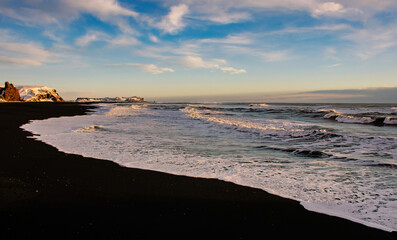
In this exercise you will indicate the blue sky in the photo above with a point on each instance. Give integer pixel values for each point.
(219, 49)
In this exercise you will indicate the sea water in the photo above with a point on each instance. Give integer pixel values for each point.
(338, 159)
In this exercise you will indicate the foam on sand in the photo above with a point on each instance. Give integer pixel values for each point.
(342, 212)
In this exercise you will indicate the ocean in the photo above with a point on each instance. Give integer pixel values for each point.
(337, 159)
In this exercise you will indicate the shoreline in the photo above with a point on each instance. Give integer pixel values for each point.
(47, 191)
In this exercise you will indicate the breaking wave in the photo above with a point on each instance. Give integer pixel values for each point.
(374, 118)
(391, 120)
(310, 139)
(267, 127)
(123, 111)
(93, 128)
(260, 105)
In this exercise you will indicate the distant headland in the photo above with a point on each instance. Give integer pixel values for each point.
(109, 99)
(11, 93)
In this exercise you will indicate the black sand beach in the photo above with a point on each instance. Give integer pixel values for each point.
(45, 193)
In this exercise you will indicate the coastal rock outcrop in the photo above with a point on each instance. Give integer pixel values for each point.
(10, 93)
(39, 94)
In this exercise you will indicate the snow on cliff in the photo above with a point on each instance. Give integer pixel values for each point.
(38, 94)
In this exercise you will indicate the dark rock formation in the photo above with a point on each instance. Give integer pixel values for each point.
(56, 98)
(9, 93)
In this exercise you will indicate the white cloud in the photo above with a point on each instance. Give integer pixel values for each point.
(100, 8)
(61, 12)
(267, 56)
(24, 54)
(334, 65)
(19, 61)
(153, 38)
(198, 62)
(151, 68)
(314, 29)
(329, 8)
(232, 11)
(373, 40)
(229, 17)
(230, 39)
(173, 22)
(30, 16)
(219, 61)
(364, 9)
(52, 36)
(90, 36)
(233, 70)
(14, 51)
(95, 36)
(107, 10)
(170, 51)
(124, 40)
(194, 62)
(276, 56)
(124, 26)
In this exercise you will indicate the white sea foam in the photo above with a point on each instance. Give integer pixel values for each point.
(263, 105)
(354, 119)
(206, 144)
(361, 116)
(268, 127)
(92, 128)
(331, 113)
(391, 120)
(128, 110)
(361, 110)
(343, 212)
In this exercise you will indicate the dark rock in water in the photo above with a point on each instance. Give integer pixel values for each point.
(379, 121)
(311, 153)
(9, 93)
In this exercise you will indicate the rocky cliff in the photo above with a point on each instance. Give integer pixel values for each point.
(39, 94)
(9, 93)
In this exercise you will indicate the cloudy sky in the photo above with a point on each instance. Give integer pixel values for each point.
(300, 50)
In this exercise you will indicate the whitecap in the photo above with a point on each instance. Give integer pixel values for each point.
(260, 105)
(92, 128)
(354, 119)
(128, 110)
(391, 120)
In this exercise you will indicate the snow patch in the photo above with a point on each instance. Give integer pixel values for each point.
(38, 94)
